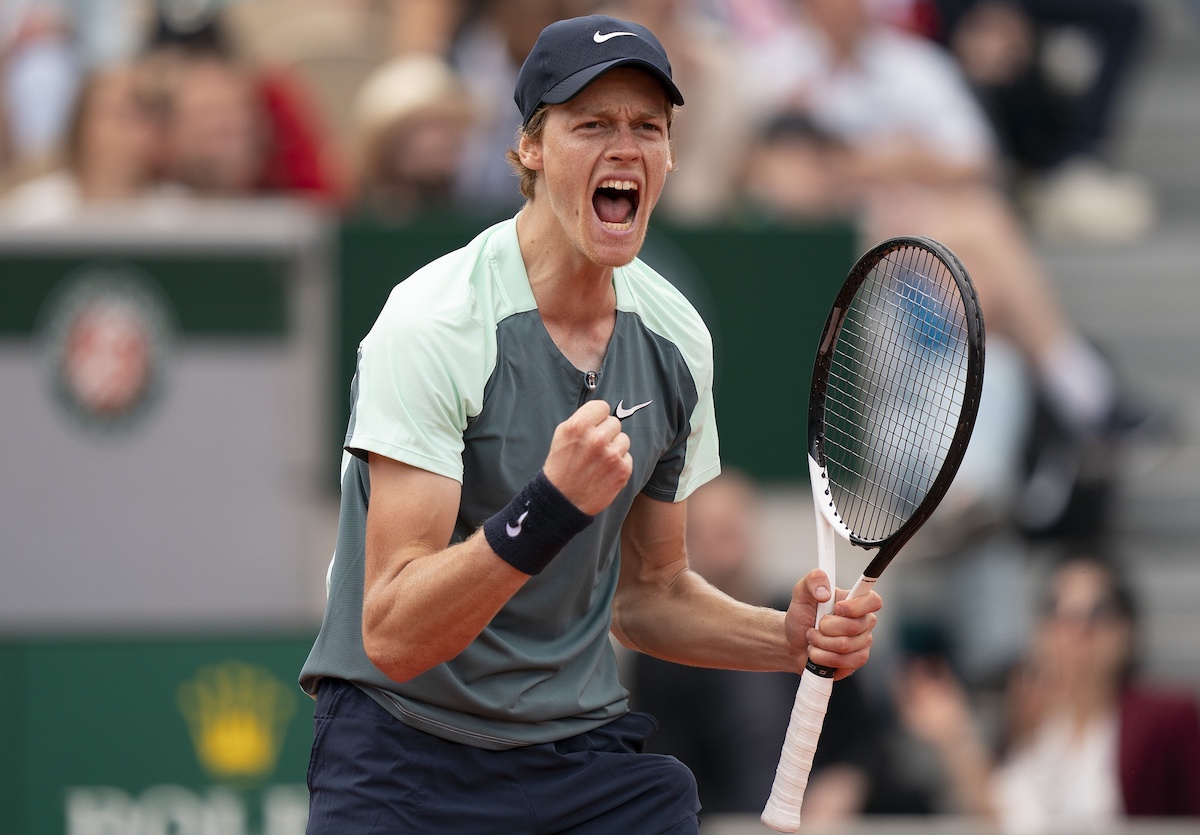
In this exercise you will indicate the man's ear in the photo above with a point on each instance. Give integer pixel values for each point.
(530, 153)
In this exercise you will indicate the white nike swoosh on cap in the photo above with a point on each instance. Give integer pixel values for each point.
(598, 38)
(623, 413)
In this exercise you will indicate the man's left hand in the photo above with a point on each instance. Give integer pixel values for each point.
(843, 639)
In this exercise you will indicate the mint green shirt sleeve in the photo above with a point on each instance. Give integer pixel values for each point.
(421, 372)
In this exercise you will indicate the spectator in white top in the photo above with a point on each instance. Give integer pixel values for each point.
(920, 158)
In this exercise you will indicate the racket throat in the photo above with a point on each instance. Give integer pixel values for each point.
(864, 585)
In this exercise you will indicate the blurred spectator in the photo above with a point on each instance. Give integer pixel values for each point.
(300, 159)
(39, 75)
(793, 170)
(109, 153)
(1049, 74)
(1045, 450)
(1085, 741)
(899, 101)
(487, 52)
(728, 726)
(331, 49)
(411, 123)
(243, 116)
(216, 131)
(916, 155)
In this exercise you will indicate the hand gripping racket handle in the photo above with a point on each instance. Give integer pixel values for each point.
(782, 812)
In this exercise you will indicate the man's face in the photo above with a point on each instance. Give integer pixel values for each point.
(604, 157)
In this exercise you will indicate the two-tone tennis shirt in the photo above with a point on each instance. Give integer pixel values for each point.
(459, 377)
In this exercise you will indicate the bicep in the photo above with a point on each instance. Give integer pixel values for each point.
(411, 513)
(652, 540)
(652, 559)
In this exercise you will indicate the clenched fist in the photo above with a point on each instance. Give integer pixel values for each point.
(589, 459)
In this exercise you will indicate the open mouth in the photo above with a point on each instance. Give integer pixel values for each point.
(616, 203)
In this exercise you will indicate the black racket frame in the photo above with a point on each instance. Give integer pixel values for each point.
(891, 545)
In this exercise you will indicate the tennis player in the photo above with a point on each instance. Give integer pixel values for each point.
(529, 415)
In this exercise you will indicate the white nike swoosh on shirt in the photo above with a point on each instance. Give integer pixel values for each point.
(598, 38)
(623, 413)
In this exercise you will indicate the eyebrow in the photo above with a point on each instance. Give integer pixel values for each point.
(577, 107)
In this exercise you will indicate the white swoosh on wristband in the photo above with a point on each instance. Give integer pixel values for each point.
(514, 531)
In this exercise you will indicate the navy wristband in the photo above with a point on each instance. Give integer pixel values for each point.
(534, 527)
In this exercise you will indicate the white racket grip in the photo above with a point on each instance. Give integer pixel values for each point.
(782, 812)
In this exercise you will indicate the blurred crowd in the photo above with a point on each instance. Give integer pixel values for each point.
(1063, 731)
(901, 116)
(983, 123)
(399, 106)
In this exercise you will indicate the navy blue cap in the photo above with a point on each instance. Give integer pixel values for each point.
(571, 54)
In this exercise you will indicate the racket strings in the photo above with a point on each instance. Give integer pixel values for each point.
(896, 383)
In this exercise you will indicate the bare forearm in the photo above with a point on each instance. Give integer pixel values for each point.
(434, 605)
(665, 609)
(905, 163)
(690, 622)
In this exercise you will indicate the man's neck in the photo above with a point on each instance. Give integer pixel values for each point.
(575, 297)
(566, 285)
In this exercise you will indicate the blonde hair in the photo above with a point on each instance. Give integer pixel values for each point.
(531, 130)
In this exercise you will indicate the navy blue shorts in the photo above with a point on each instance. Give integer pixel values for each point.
(370, 773)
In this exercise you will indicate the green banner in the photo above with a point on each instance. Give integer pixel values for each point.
(117, 737)
(211, 295)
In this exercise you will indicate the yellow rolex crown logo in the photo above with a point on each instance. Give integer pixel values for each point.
(236, 715)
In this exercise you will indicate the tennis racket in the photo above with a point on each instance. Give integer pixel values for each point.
(894, 396)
